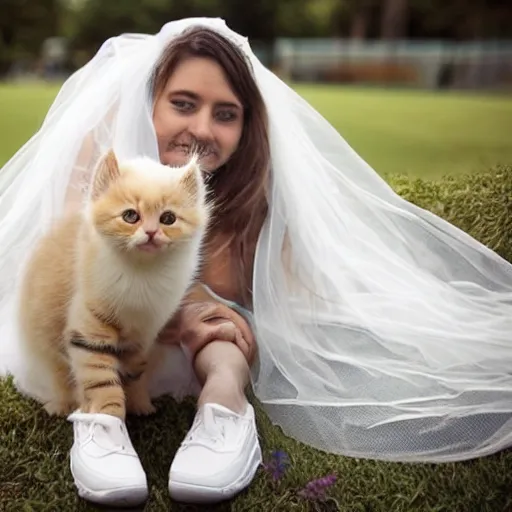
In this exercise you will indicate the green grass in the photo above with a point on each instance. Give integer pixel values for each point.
(418, 133)
(35, 475)
(407, 132)
(22, 110)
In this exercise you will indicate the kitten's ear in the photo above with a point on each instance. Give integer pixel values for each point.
(192, 179)
(106, 173)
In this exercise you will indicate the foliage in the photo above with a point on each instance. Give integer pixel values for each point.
(24, 25)
(462, 19)
(480, 204)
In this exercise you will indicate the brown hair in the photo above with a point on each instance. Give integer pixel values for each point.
(239, 187)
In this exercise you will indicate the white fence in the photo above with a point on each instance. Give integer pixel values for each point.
(427, 64)
(423, 64)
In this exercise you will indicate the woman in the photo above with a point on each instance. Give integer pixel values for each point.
(382, 330)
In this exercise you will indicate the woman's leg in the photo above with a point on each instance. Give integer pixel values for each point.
(221, 454)
(224, 373)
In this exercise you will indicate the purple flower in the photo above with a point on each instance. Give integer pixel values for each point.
(278, 464)
(316, 489)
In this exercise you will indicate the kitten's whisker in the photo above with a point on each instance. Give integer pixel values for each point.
(199, 149)
(193, 148)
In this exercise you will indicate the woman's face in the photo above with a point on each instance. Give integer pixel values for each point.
(197, 105)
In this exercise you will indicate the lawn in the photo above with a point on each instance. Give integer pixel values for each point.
(419, 134)
(412, 132)
(22, 109)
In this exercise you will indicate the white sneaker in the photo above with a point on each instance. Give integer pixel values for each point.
(104, 464)
(218, 458)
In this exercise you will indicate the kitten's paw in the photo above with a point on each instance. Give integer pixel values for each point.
(140, 406)
(60, 407)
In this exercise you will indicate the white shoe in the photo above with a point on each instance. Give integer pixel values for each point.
(218, 458)
(104, 464)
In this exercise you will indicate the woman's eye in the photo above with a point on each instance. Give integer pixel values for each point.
(225, 116)
(130, 216)
(182, 105)
(167, 218)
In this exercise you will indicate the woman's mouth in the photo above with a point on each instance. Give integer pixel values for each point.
(184, 148)
(202, 150)
(179, 154)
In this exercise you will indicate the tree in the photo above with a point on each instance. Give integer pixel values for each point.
(462, 19)
(23, 28)
(98, 20)
(394, 19)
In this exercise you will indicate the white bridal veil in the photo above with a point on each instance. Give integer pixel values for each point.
(385, 332)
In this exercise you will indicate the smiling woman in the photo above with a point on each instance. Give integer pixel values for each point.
(198, 107)
(204, 96)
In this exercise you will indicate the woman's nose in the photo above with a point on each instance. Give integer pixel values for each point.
(201, 126)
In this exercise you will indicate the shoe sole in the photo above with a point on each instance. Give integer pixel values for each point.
(201, 494)
(129, 496)
(126, 497)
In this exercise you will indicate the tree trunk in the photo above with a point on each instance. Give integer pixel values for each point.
(360, 21)
(394, 19)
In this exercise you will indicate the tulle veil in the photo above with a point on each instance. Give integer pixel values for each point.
(383, 331)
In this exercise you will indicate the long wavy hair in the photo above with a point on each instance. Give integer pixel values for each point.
(240, 186)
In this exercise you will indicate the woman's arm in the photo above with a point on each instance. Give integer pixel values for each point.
(202, 319)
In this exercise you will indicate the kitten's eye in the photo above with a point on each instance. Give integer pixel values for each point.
(130, 216)
(167, 218)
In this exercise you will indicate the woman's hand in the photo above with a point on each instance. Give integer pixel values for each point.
(202, 320)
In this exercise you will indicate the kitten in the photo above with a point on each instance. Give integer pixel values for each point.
(101, 285)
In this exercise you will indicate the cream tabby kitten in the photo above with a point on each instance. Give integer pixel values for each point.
(101, 285)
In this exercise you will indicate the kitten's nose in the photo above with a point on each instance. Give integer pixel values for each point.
(151, 233)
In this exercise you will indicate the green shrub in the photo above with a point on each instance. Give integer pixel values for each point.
(479, 204)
